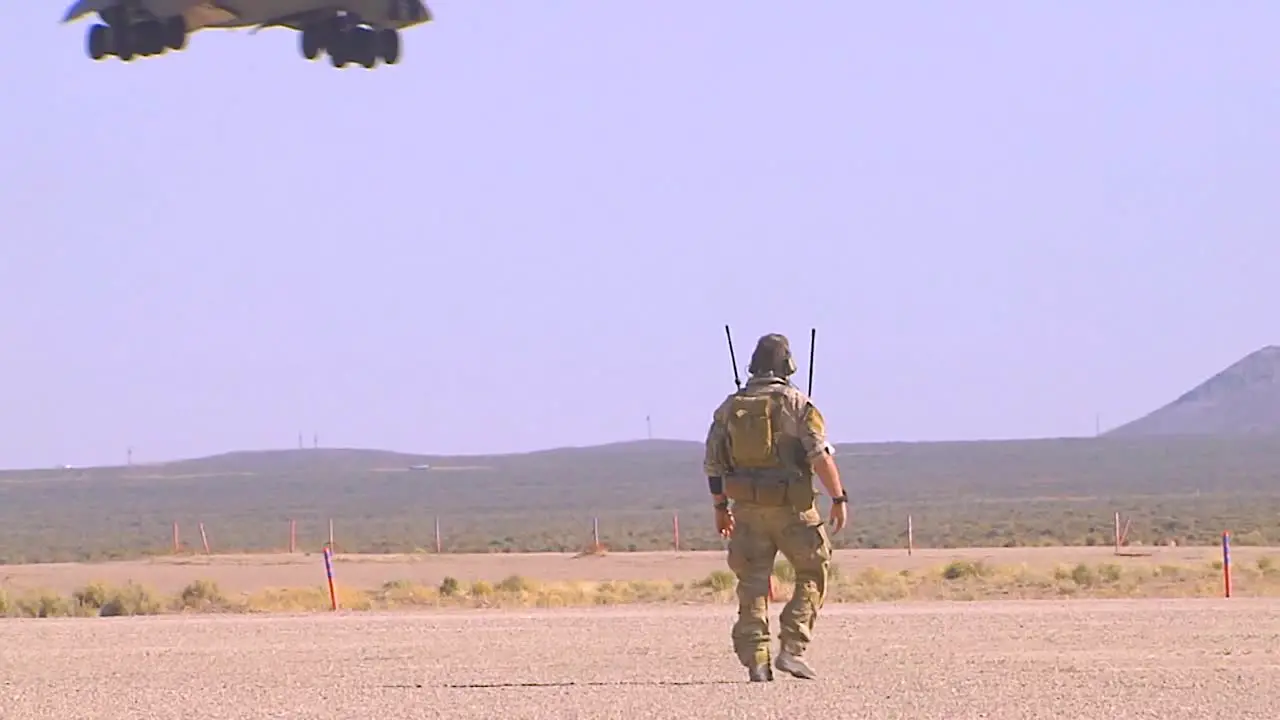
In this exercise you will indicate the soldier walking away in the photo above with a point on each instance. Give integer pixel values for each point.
(765, 443)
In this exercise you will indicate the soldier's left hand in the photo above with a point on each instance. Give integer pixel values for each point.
(839, 516)
(724, 522)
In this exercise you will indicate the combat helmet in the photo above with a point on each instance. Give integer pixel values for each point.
(772, 355)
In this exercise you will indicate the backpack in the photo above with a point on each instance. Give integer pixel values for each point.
(750, 425)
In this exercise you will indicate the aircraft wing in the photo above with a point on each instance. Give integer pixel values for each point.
(86, 7)
(199, 14)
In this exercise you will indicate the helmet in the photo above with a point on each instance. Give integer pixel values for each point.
(772, 354)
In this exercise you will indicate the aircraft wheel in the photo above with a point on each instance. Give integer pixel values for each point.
(157, 36)
(141, 34)
(310, 42)
(340, 49)
(389, 46)
(366, 50)
(175, 33)
(124, 42)
(98, 41)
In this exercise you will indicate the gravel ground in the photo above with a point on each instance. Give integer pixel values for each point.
(1172, 660)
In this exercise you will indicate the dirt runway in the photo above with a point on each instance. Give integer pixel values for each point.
(1080, 659)
(248, 573)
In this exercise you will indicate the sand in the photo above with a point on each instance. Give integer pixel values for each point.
(245, 573)
(1173, 660)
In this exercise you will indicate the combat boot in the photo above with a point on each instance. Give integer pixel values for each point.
(795, 665)
(760, 673)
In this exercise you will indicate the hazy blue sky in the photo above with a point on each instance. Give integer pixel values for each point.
(1002, 218)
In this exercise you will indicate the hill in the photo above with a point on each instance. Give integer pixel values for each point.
(993, 493)
(1242, 399)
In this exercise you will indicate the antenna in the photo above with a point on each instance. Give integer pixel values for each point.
(813, 340)
(732, 358)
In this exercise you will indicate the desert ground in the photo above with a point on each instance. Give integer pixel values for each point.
(1079, 659)
(248, 573)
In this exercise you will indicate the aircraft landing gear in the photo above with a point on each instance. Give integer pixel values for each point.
(349, 42)
(126, 40)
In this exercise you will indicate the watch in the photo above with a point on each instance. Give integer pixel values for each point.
(841, 498)
(722, 505)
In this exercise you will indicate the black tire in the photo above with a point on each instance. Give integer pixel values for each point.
(156, 38)
(146, 39)
(340, 49)
(175, 33)
(124, 41)
(98, 42)
(309, 42)
(366, 47)
(389, 46)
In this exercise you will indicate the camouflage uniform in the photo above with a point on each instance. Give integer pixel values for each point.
(773, 507)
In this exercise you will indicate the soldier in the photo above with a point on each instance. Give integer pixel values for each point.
(765, 442)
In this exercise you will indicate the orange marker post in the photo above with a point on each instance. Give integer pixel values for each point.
(1226, 563)
(328, 570)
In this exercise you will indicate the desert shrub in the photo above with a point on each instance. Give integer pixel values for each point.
(92, 596)
(515, 584)
(131, 599)
(449, 587)
(481, 589)
(44, 604)
(1109, 572)
(202, 595)
(719, 581)
(961, 569)
(1083, 575)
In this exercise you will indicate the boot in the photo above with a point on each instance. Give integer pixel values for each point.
(760, 673)
(795, 665)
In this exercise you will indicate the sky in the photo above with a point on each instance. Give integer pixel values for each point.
(1007, 220)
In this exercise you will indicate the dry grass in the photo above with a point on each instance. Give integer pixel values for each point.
(961, 579)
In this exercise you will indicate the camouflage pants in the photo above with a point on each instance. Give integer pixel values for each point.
(759, 534)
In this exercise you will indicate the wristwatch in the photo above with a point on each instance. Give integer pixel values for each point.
(722, 505)
(843, 497)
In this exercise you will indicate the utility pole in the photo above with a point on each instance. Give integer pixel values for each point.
(128, 455)
(648, 426)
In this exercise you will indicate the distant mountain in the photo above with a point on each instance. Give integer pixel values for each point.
(1243, 399)
(338, 460)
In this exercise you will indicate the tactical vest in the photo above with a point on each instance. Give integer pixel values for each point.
(769, 467)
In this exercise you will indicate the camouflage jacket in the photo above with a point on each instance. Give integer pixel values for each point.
(801, 429)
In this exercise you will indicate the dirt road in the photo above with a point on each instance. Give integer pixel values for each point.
(1173, 660)
(248, 573)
